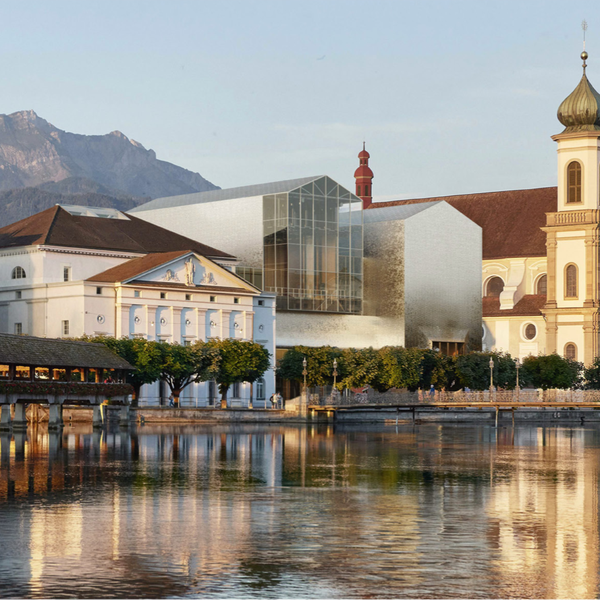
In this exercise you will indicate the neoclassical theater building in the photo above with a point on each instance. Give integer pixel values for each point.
(540, 267)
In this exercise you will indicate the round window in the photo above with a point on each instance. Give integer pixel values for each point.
(530, 331)
(136, 319)
(100, 319)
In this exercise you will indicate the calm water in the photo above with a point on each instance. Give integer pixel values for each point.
(263, 512)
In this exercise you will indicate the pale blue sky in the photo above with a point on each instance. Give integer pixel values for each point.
(451, 97)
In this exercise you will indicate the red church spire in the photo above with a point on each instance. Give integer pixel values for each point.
(364, 178)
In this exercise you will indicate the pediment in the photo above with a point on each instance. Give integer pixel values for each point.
(193, 270)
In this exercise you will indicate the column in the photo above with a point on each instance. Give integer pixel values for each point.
(124, 416)
(551, 281)
(20, 419)
(201, 324)
(249, 325)
(5, 419)
(225, 324)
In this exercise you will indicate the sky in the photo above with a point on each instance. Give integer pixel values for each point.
(451, 97)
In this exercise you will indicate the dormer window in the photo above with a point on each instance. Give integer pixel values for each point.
(573, 182)
(18, 273)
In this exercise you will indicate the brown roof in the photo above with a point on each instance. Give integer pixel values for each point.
(49, 352)
(510, 220)
(529, 305)
(57, 227)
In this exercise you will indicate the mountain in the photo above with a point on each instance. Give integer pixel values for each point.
(35, 153)
(24, 202)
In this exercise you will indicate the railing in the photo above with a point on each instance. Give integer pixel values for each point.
(573, 217)
(425, 398)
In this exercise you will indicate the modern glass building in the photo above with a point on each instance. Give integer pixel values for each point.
(313, 248)
(301, 239)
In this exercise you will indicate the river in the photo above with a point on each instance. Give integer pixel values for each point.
(446, 511)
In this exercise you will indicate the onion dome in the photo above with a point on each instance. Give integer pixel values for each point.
(363, 170)
(581, 110)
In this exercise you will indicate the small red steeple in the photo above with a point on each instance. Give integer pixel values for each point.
(364, 178)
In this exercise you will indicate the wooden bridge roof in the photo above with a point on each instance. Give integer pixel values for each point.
(47, 352)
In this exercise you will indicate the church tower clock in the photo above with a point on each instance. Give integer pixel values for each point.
(572, 233)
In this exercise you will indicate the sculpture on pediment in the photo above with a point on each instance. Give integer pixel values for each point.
(170, 276)
(208, 279)
(190, 270)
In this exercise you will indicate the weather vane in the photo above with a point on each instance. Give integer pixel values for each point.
(584, 54)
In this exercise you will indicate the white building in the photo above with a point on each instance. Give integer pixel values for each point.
(70, 271)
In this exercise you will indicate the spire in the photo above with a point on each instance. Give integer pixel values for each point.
(364, 178)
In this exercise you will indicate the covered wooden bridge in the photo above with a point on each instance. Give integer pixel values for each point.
(58, 372)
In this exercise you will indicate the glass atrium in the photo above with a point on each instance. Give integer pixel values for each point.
(313, 248)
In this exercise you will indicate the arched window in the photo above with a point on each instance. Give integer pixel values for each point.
(542, 285)
(574, 182)
(18, 273)
(366, 190)
(571, 281)
(494, 287)
(571, 351)
(358, 191)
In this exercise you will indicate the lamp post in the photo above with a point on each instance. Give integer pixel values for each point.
(333, 391)
(491, 374)
(304, 371)
(518, 366)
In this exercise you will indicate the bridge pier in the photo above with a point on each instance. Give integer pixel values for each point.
(97, 420)
(5, 418)
(55, 420)
(19, 422)
(124, 416)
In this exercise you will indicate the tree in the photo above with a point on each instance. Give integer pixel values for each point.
(181, 366)
(319, 364)
(552, 371)
(140, 353)
(238, 361)
(592, 375)
(358, 368)
(473, 370)
(400, 368)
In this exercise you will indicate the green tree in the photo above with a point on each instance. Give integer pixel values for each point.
(552, 371)
(181, 366)
(319, 365)
(400, 368)
(592, 375)
(473, 370)
(359, 367)
(140, 353)
(239, 360)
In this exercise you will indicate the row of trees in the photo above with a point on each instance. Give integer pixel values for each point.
(414, 368)
(226, 361)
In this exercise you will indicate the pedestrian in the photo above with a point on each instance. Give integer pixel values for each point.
(432, 390)
(171, 400)
(279, 400)
(273, 400)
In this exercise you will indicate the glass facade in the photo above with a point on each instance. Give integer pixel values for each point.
(313, 248)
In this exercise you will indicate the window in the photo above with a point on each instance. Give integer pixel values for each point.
(358, 191)
(236, 300)
(260, 389)
(235, 390)
(188, 296)
(98, 290)
(366, 190)
(261, 302)
(163, 295)
(571, 351)
(65, 327)
(449, 348)
(18, 294)
(574, 182)
(137, 294)
(18, 328)
(66, 273)
(18, 273)
(542, 285)
(494, 287)
(571, 281)
(213, 298)
(530, 331)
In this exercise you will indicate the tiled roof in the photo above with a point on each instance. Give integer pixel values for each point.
(48, 352)
(137, 266)
(57, 227)
(510, 220)
(529, 305)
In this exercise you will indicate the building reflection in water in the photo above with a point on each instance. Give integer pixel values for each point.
(284, 511)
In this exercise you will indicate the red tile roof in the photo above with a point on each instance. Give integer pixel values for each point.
(57, 227)
(510, 220)
(529, 305)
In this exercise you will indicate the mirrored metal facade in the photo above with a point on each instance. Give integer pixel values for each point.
(313, 248)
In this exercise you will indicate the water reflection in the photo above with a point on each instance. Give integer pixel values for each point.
(444, 511)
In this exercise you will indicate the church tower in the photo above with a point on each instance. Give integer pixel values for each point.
(364, 178)
(572, 233)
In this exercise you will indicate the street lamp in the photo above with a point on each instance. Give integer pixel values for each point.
(518, 366)
(334, 376)
(491, 374)
(304, 371)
